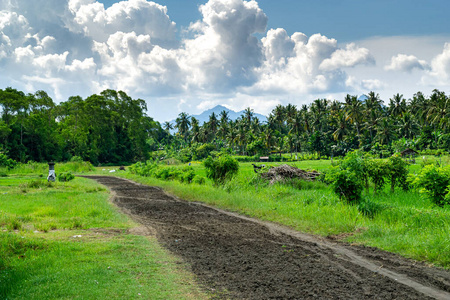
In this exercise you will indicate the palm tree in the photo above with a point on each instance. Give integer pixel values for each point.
(167, 126)
(439, 110)
(319, 110)
(195, 130)
(385, 131)
(373, 103)
(248, 117)
(182, 123)
(397, 106)
(408, 126)
(212, 125)
(268, 138)
(279, 118)
(354, 111)
(343, 127)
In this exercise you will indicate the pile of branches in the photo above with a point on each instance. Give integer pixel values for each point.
(284, 172)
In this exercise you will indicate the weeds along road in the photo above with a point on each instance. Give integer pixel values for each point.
(241, 258)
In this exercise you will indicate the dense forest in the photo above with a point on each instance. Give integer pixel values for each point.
(113, 128)
(327, 128)
(107, 128)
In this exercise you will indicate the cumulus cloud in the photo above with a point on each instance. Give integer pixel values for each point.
(81, 47)
(348, 57)
(225, 51)
(406, 63)
(139, 16)
(299, 64)
(440, 66)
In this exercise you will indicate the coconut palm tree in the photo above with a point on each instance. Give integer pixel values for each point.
(397, 106)
(167, 126)
(182, 124)
(354, 111)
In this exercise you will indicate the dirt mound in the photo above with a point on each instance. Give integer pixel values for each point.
(235, 257)
(284, 172)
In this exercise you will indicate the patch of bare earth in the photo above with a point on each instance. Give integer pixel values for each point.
(241, 258)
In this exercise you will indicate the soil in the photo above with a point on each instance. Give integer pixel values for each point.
(236, 257)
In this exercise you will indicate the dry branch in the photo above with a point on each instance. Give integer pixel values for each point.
(284, 172)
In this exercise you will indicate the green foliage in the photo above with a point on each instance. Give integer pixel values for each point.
(198, 180)
(397, 172)
(346, 185)
(434, 182)
(221, 169)
(370, 208)
(145, 169)
(377, 171)
(76, 159)
(7, 162)
(203, 151)
(65, 176)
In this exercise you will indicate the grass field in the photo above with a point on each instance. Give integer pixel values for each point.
(66, 241)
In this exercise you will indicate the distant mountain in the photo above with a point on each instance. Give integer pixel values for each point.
(204, 116)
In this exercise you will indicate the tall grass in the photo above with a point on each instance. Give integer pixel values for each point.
(42, 168)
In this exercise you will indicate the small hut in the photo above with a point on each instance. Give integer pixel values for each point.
(264, 159)
(410, 154)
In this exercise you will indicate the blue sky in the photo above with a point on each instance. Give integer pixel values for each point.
(192, 55)
(344, 20)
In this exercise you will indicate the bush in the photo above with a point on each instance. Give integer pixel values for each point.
(187, 175)
(370, 209)
(198, 180)
(65, 176)
(7, 162)
(397, 172)
(377, 170)
(346, 185)
(435, 182)
(221, 169)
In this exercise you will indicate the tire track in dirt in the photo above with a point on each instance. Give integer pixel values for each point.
(242, 258)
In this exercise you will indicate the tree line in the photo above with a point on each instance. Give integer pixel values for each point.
(107, 128)
(111, 127)
(325, 127)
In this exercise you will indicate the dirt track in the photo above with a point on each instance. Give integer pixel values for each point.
(240, 258)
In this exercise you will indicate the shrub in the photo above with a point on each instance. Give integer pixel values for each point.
(65, 176)
(198, 180)
(187, 175)
(356, 162)
(370, 209)
(346, 185)
(435, 182)
(221, 169)
(397, 172)
(377, 170)
(7, 162)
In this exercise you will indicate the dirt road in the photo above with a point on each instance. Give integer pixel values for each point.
(241, 258)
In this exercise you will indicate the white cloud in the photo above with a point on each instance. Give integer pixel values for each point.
(372, 84)
(139, 16)
(406, 63)
(299, 64)
(81, 47)
(348, 57)
(440, 67)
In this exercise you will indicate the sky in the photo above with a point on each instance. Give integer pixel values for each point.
(189, 55)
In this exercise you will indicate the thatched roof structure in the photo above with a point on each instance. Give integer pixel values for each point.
(409, 151)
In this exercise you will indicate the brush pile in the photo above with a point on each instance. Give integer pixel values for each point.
(284, 172)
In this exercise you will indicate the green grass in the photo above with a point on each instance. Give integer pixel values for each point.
(404, 222)
(66, 241)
